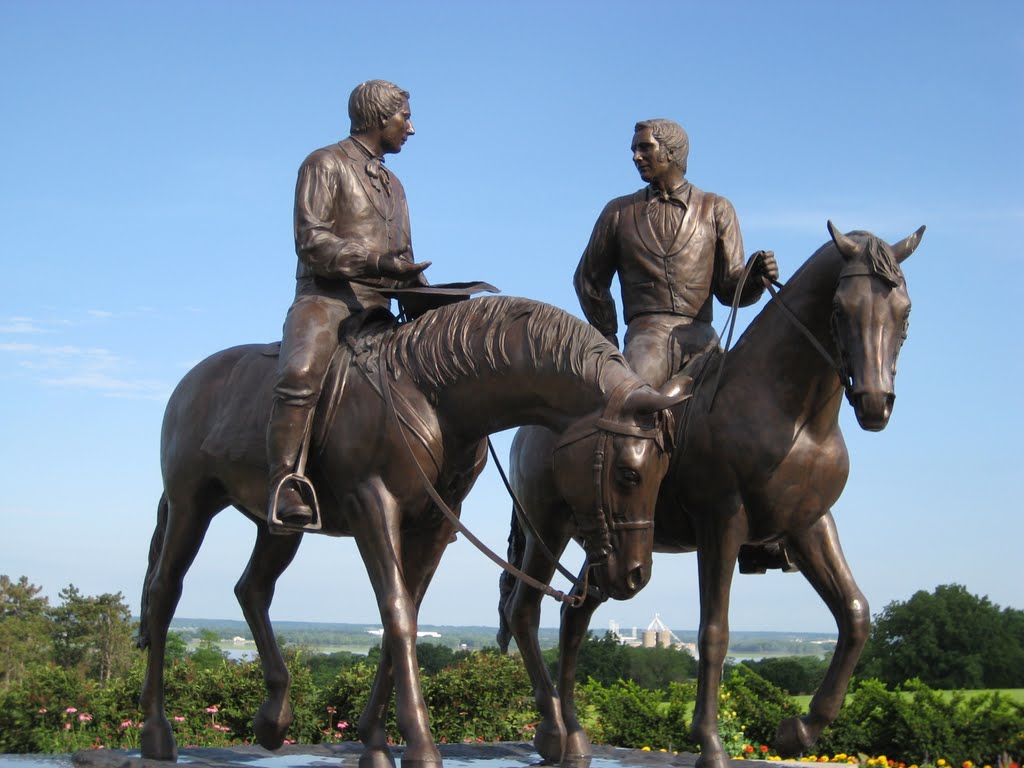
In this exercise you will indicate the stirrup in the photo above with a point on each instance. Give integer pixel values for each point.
(274, 521)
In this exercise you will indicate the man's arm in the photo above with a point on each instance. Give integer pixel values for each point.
(594, 275)
(730, 260)
(327, 254)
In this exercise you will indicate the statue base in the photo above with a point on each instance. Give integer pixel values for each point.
(346, 755)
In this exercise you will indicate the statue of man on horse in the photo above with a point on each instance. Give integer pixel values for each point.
(674, 247)
(352, 239)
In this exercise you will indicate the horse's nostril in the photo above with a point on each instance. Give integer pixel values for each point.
(636, 579)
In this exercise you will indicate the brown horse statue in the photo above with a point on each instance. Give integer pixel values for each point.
(455, 375)
(765, 464)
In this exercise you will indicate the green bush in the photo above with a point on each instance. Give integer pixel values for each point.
(484, 697)
(759, 705)
(926, 725)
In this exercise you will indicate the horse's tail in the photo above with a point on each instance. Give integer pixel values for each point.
(155, 545)
(507, 582)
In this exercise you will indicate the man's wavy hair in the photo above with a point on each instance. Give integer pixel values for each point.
(671, 136)
(372, 103)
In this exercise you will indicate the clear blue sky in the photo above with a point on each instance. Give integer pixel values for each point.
(147, 160)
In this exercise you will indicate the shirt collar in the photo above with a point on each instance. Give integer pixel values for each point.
(679, 195)
(365, 150)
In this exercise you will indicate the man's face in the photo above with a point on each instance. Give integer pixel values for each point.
(397, 129)
(651, 159)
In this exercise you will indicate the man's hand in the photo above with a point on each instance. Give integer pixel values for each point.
(399, 269)
(766, 265)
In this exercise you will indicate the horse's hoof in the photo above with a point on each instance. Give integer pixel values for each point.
(578, 750)
(157, 740)
(793, 737)
(377, 758)
(271, 724)
(421, 762)
(550, 744)
(716, 760)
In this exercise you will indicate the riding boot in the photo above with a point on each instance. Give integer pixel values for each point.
(285, 435)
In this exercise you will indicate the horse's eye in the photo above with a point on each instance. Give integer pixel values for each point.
(629, 476)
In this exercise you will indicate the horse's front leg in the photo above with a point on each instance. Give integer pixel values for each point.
(522, 614)
(818, 553)
(421, 554)
(574, 625)
(375, 519)
(255, 591)
(718, 548)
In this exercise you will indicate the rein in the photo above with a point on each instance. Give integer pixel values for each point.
(547, 589)
(771, 286)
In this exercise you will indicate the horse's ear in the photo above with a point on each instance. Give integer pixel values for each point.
(846, 246)
(649, 400)
(904, 248)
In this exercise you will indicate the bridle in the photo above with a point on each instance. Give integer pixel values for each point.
(596, 529)
(840, 366)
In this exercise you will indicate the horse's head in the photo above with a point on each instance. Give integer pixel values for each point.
(870, 316)
(609, 467)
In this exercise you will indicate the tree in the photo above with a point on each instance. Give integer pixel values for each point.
(948, 639)
(209, 654)
(25, 630)
(794, 674)
(93, 634)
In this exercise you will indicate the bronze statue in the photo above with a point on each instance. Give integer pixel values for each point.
(765, 464)
(351, 238)
(455, 375)
(673, 247)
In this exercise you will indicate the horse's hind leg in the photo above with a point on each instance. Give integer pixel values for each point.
(820, 557)
(181, 526)
(255, 591)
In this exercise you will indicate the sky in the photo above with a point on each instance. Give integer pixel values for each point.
(148, 154)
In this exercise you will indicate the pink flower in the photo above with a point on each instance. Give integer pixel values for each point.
(127, 724)
(213, 710)
(179, 719)
(67, 726)
(42, 710)
(71, 710)
(341, 726)
(84, 718)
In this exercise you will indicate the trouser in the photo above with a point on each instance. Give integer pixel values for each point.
(308, 342)
(657, 346)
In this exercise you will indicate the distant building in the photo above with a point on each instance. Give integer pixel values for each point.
(656, 634)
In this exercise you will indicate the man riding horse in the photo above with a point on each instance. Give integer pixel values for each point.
(352, 238)
(673, 247)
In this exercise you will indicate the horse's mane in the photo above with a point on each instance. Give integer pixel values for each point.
(473, 337)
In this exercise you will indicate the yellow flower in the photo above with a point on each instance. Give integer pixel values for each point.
(967, 764)
(645, 749)
(940, 762)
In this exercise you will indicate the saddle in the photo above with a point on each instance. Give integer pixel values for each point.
(359, 342)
